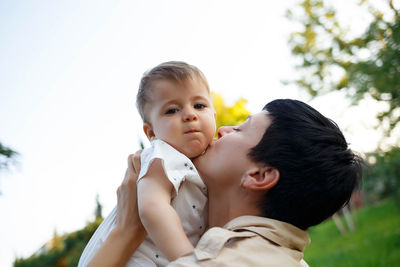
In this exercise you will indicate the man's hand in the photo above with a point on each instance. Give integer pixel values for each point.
(127, 209)
(129, 231)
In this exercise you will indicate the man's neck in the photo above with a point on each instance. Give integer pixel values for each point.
(222, 208)
(219, 212)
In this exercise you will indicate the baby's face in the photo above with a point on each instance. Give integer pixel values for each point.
(181, 115)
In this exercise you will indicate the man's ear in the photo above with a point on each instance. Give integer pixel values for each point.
(260, 178)
(148, 130)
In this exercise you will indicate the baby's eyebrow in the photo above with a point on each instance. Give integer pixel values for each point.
(170, 102)
(199, 97)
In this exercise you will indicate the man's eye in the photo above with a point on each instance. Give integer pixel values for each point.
(199, 106)
(172, 111)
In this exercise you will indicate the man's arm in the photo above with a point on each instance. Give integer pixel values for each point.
(129, 231)
(158, 216)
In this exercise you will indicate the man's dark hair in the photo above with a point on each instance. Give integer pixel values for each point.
(318, 172)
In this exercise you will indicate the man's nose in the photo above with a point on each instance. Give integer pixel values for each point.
(189, 114)
(223, 130)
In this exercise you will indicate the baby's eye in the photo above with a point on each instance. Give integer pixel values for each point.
(171, 111)
(199, 106)
(236, 129)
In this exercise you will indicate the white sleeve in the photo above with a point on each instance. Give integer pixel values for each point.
(98, 238)
(177, 166)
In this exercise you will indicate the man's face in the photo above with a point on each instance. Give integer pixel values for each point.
(226, 160)
(182, 115)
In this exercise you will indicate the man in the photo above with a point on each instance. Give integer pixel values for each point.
(285, 169)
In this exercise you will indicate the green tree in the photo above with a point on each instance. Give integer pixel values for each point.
(332, 57)
(63, 250)
(382, 176)
(99, 209)
(7, 158)
(7, 155)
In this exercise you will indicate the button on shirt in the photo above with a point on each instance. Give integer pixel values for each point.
(249, 241)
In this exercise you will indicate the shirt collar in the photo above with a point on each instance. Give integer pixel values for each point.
(281, 233)
(284, 234)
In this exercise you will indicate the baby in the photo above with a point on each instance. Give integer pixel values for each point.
(175, 104)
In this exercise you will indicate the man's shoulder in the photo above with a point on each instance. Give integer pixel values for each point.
(246, 241)
(256, 251)
(245, 251)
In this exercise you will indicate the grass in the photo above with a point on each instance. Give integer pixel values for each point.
(375, 242)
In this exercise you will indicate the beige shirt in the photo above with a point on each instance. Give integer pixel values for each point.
(249, 241)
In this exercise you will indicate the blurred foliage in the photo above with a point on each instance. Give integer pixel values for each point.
(98, 212)
(6, 156)
(382, 177)
(229, 115)
(375, 242)
(331, 57)
(65, 250)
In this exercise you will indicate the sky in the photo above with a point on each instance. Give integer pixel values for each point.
(69, 72)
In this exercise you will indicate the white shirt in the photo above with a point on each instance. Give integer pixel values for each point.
(189, 201)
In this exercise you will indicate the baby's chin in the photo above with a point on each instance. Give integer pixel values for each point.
(199, 155)
(194, 152)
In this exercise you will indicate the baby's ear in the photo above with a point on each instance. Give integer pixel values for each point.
(148, 130)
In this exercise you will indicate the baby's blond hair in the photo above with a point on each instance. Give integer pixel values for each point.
(175, 71)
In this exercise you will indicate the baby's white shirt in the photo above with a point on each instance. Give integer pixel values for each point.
(189, 201)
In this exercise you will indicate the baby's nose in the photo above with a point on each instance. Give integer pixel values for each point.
(189, 114)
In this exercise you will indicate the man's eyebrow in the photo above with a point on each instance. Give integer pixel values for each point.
(248, 119)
